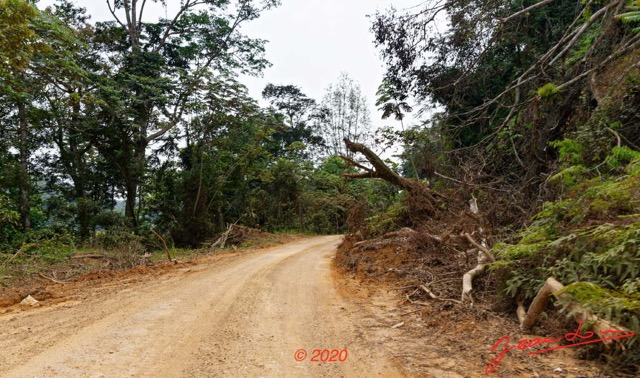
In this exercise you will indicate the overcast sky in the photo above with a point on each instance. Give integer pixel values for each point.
(310, 42)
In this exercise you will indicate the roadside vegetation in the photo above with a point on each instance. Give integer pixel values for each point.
(536, 127)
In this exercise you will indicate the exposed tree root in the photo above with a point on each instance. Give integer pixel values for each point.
(484, 257)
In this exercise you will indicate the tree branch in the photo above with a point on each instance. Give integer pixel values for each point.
(113, 13)
(481, 247)
(355, 164)
(164, 244)
(582, 30)
(528, 9)
(144, 2)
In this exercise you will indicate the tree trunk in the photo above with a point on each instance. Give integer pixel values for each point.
(130, 206)
(220, 217)
(380, 169)
(133, 177)
(83, 204)
(23, 175)
(84, 216)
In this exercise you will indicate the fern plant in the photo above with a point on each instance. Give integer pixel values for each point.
(632, 16)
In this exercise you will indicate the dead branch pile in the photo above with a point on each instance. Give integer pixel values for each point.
(434, 257)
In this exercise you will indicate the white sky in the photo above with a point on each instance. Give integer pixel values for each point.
(310, 42)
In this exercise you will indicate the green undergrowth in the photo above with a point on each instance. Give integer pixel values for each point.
(587, 239)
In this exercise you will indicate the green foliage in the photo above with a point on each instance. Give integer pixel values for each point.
(584, 46)
(113, 231)
(18, 39)
(548, 91)
(9, 220)
(620, 307)
(392, 100)
(622, 156)
(48, 245)
(40, 247)
(590, 241)
(571, 175)
(387, 221)
(569, 149)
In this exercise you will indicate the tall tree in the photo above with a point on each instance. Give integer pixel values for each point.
(345, 114)
(33, 45)
(224, 151)
(70, 106)
(158, 68)
(486, 49)
(300, 117)
(18, 46)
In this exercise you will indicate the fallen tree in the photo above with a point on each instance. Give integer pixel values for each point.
(428, 204)
(381, 171)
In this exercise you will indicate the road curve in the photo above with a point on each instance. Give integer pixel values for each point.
(245, 316)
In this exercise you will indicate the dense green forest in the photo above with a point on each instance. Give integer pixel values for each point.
(113, 128)
(530, 108)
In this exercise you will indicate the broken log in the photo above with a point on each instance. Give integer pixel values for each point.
(92, 256)
(222, 240)
(380, 169)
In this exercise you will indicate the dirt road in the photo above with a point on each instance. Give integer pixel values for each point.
(244, 315)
